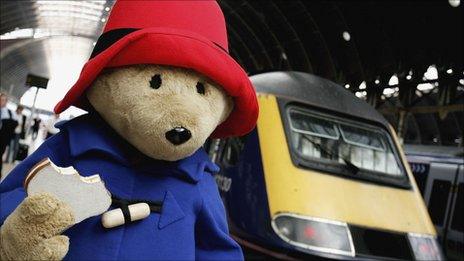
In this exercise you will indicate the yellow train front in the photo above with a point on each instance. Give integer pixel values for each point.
(322, 175)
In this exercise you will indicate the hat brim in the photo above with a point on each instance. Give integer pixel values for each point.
(182, 49)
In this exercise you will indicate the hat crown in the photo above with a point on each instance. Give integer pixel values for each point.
(201, 17)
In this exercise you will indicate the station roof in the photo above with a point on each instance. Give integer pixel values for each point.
(351, 41)
(397, 55)
(34, 34)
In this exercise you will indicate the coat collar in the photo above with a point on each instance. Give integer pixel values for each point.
(89, 133)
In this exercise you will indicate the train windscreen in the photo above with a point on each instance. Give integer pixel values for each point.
(320, 137)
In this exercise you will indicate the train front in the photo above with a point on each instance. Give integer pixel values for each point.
(321, 175)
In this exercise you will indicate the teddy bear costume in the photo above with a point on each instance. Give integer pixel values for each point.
(188, 219)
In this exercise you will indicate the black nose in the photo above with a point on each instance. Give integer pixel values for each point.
(178, 135)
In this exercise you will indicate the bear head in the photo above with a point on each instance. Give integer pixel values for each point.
(167, 113)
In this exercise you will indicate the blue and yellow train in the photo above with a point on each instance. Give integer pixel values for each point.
(322, 175)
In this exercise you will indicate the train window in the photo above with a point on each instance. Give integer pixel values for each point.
(362, 137)
(231, 154)
(213, 146)
(315, 126)
(323, 137)
(440, 194)
(458, 215)
(227, 152)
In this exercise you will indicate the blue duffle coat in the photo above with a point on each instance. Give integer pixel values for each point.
(192, 223)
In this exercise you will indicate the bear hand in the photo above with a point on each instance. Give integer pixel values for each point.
(32, 231)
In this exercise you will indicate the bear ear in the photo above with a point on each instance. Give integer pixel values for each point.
(155, 81)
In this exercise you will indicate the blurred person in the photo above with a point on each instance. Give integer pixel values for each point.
(7, 126)
(50, 126)
(35, 127)
(19, 133)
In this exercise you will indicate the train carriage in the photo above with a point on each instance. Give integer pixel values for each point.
(322, 175)
(439, 174)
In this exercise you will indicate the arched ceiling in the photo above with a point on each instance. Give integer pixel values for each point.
(31, 33)
(385, 37)
(354, 42)
(349, 42)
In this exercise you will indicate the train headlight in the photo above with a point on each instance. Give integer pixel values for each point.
(314, 233)
(425, 247)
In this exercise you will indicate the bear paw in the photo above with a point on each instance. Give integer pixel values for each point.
(32, 231)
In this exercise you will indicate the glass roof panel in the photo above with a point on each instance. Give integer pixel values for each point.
(76, 17)
(56, 45)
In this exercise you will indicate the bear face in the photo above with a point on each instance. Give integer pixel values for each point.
(166, 112)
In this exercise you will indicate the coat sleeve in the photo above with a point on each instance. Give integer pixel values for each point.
(12, 192)
(212, 239)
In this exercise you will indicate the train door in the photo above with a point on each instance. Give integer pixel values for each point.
(438, 192)
(454, 234)
(443, 201)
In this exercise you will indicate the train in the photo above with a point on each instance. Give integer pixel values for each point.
(439, 173)
(321, 176)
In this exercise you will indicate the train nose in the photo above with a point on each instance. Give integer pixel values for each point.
(178, 135)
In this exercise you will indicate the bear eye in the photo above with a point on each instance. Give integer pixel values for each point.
(200, 88)
(155, 81)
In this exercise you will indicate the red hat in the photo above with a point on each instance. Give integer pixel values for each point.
(188, 34)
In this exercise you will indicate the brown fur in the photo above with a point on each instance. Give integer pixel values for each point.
(32, 231)
(142, 115)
